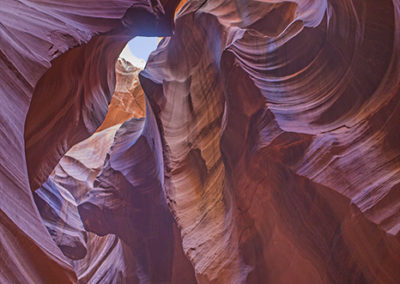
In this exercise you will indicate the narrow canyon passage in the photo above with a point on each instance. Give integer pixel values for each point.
(104, 204)
(259, 143)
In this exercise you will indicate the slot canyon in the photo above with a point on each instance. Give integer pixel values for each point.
(258, 144)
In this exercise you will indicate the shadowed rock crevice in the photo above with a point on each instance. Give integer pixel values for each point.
(78, 88)
(35, 35)
(296, 149)
(116, 181)
(269, 152)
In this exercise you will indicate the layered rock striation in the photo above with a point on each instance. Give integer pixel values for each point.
(268, 154)
(57, 63)
(279, 124)
(113, 181)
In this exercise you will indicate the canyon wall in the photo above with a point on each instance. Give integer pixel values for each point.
(279, 124)
(57, 77)
(104, 203)
(269, 151)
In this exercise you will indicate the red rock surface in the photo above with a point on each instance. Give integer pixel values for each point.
(124, 231)
(279, 125)
(269, 152)
(128, 99)
(65, 105)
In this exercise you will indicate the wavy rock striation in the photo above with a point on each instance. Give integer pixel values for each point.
(128, 200)
(128, 99)
(49, 66)
(115, 180)
(278, 122)
(269, 152)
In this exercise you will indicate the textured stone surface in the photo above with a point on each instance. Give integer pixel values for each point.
(116, 177)
(104, 258)
(128, 99)
(279, 132)
(65, 105)
(60, 215)
(128, 200)
(270, 135)
(84, 82)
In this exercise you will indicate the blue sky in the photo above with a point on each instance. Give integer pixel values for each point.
(141, 47)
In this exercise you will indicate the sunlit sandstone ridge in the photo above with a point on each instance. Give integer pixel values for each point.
(57, 61)
(116, 195)
(279, 125)
(269, 152)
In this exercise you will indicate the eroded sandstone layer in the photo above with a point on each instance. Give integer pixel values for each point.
(104, 204)
(57, 61)
(128, 100)
(269, 152)
(280, 133)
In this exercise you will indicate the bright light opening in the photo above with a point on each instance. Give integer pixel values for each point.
(138, 49)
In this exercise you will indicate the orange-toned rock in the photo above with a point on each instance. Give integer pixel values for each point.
(278, 122)
(75, 44)
(128, 99)
(131, 204)
(128, 202)
(269, 152)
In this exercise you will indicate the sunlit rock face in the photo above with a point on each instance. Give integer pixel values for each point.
(128, 99)
(279, 127)
(104, 204)
(269, 152)
(75, 44)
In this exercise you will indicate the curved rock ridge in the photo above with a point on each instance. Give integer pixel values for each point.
(94, 258)
(128, 99)
(134, 239)
(60, 215)
(62, 37)
(278, 122)
(84, 83)
(128, 200)
(269, 152)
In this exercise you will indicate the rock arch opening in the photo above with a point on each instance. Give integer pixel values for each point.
(100, 211)
(271, 131)
(93, 203)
